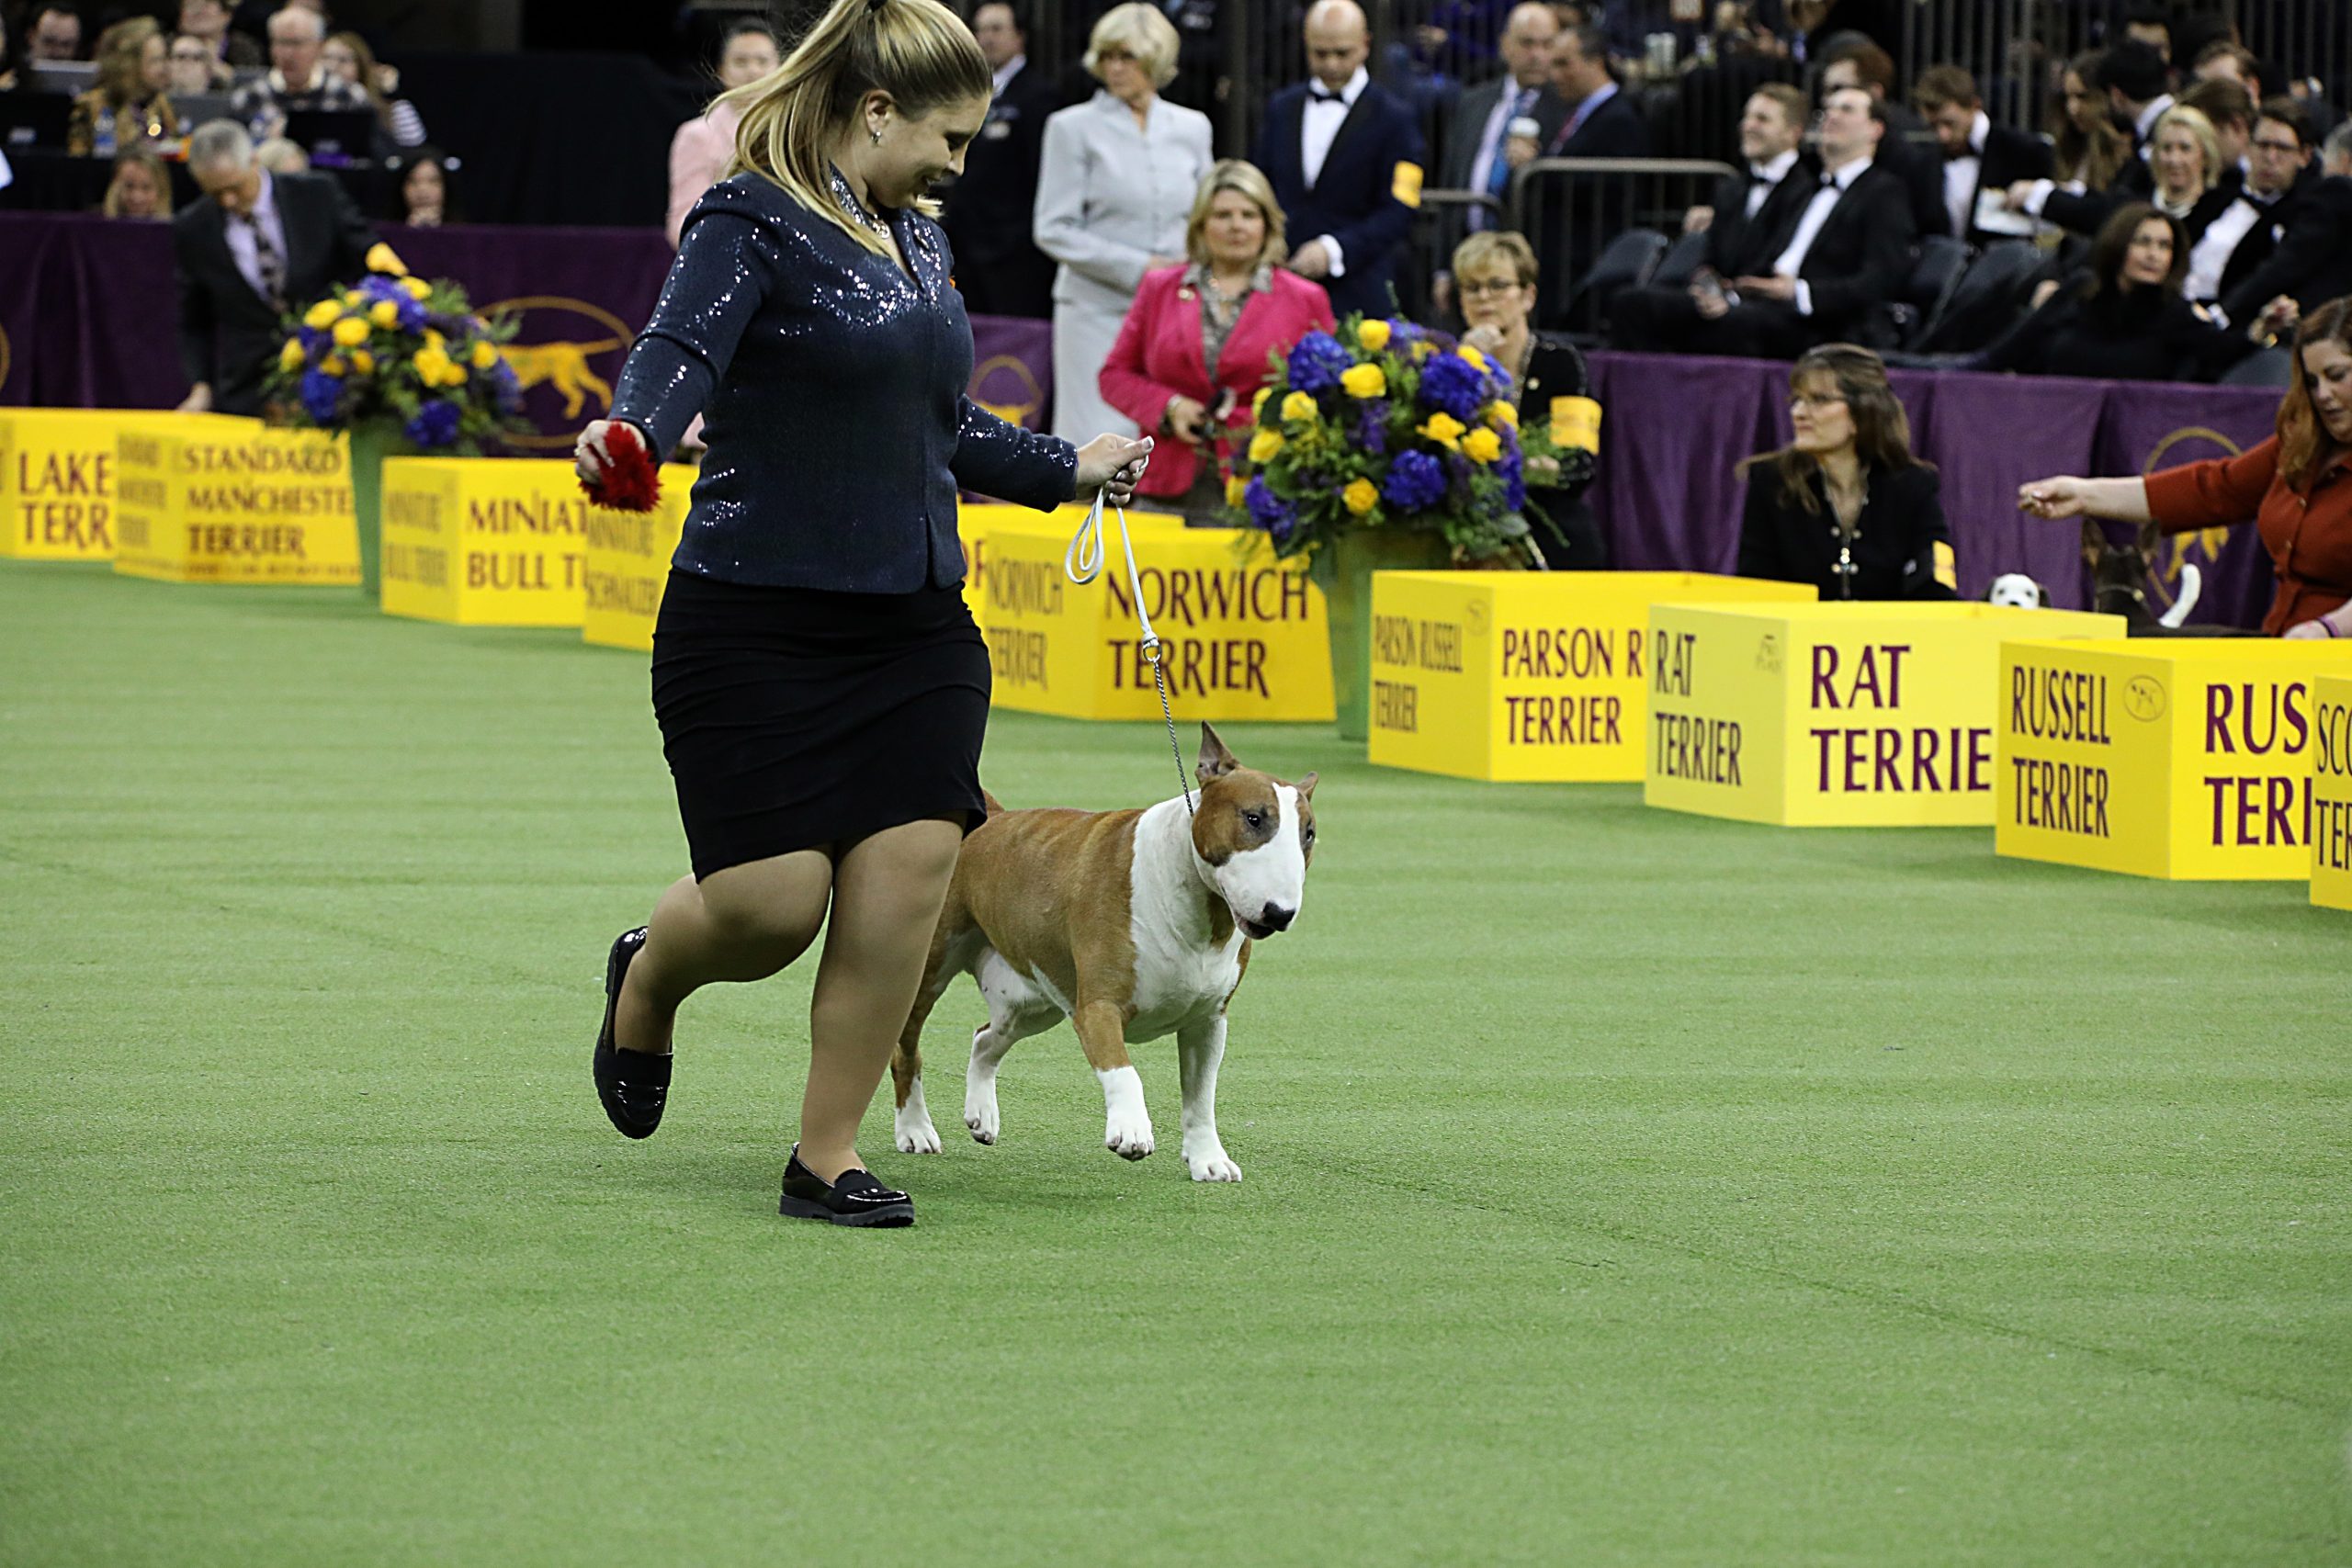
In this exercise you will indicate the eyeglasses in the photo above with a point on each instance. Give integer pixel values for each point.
(1494, 286)
(1816, 400)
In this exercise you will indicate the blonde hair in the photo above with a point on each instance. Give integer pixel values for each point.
(120, 52)
(916, 51)
(112, 205)
(2200, 128)
(1490, 245)
(1142, 31)
(1242, 178)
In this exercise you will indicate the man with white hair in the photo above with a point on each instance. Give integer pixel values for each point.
(257, 247)
(295, 81)
(1344, 156)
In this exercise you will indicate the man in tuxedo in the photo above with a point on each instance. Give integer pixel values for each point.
(1859, 62)
(1844, 257)
(1603, 120)
(998, 267)
(1977, 155)
(2132, 76)
(258, 246)
(1344, 156)
(2299, 244)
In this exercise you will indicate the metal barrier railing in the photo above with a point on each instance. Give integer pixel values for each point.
(1570, 208)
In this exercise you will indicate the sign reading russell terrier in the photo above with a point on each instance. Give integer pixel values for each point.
(1134, 925)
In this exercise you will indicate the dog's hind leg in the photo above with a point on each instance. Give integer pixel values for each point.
(1199, 1048)
(913, 1130)
(1015, 1012)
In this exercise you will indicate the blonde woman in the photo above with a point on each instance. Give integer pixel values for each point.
(1114, 190)
(1194, 351)
(140, 188)
(127, 107)
(347, 57)
(821, 688)
(2185, 157)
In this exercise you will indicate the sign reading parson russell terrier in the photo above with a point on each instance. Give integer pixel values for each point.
(1134, 925)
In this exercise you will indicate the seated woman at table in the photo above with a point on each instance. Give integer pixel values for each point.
(1193, 350)
(127, 107)
(1494, 275)
(141, 186)
(1845, 505)
(2125, 318)
(2296, 487)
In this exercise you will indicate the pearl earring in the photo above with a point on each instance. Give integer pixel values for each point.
(874, 132)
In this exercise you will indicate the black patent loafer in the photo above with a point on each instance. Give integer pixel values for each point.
(633, 1085)
(855, 1200)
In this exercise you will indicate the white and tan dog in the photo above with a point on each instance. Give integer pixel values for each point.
(1134, 925)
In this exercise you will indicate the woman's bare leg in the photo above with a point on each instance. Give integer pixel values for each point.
(887, 892)
(743, 923)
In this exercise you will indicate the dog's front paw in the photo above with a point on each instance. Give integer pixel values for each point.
(1211, 1164)
(980, 1113)
(912, 1131)
(1129, 1137)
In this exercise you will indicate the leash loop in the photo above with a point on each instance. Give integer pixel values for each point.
(1082, 563)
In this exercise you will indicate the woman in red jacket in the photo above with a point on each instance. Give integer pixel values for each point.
(2296, 487)
(1192, 352)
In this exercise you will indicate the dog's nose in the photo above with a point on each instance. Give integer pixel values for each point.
(1274, 917)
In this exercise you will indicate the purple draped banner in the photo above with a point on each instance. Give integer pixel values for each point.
(1673, 429)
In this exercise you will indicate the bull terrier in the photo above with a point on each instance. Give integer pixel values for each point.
(1134, 925)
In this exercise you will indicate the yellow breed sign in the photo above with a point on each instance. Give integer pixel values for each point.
(1524, 675)
(1242, 634)
(627, 564)
(2184, 759)
(2331, 754)
(208, 498)
(485, 541)
(57, 495)
(1843, 715)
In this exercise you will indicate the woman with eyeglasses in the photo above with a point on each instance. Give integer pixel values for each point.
(1845, 505)
(1494, 275)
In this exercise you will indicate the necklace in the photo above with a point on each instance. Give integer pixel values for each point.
(855, 208)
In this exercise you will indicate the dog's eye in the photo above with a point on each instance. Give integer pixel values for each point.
(1255, 819)
(1309, 836)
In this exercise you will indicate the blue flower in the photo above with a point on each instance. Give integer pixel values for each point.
(1453, 385)
(1416, 481)
(376, 286)
(1514, 470)
(508, 389)
(1317, 364)
(412, 313)
(1269, 511)
(1371, 427)
(322, 395)
(436, 423)
(311, 338)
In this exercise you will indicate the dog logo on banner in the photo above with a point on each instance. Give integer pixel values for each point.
(4, 360)
(561, 375)
(1008, 388)
(2163, 568)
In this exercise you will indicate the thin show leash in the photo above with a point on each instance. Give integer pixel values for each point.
(1082, 563)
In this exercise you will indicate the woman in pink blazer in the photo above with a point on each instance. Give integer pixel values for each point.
(1192, 352)
(703, 147)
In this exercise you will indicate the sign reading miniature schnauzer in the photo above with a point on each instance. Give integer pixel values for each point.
(1524, 675)
(627, 564)
(1242, 634)
(2331, 755)
(2187, 758)
(1840, 715)
(57, 483)
(485, 541)
(208, 498)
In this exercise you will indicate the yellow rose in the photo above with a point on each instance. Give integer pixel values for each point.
(454, 376)
(353, 299)
(332, 365)
(1364, 381)
(1445, 430)
(485, 354)
(1482, 447)
(384, 258)
(1473, 355)
(1235, 487)
(1373, 334)
(417, 288)
(321, 315)
(384, 313)
(1264, 444)
(431, 364)
(1259, 401)
(434, 341)
(351, 332)
(290, 357)
(1502, 413)
(1298, 406)
(362, 362)
(1422, 348)
(1361, 496)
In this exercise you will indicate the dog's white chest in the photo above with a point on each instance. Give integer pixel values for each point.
(1173, 987)
(1183, 971)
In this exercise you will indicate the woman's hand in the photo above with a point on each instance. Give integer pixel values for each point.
(2054, 498)
(1488, 340)
(1113, 464)
(1183, 420)
(2041, 293)
(2278, 319)
(590, 456)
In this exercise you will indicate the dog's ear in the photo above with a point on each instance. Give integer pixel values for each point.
(1215, 760)
(1306, 788)
(2042, 594)
(2094, 543)
(2148, 537)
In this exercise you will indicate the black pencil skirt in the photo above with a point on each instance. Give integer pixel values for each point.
(799, 718)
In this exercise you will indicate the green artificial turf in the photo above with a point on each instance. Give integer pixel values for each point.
(1621, 1187)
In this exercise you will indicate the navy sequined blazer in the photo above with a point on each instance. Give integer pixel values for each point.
(832, 388)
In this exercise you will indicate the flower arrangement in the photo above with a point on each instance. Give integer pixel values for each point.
(402, 355)
(1385, 425)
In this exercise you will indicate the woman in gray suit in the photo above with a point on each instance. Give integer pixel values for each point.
(1114, 191)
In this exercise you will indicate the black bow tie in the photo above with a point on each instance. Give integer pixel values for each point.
(1323, 96)
(1756, 176)
(1965, 151)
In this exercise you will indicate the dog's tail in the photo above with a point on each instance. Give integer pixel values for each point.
(2192, 584)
